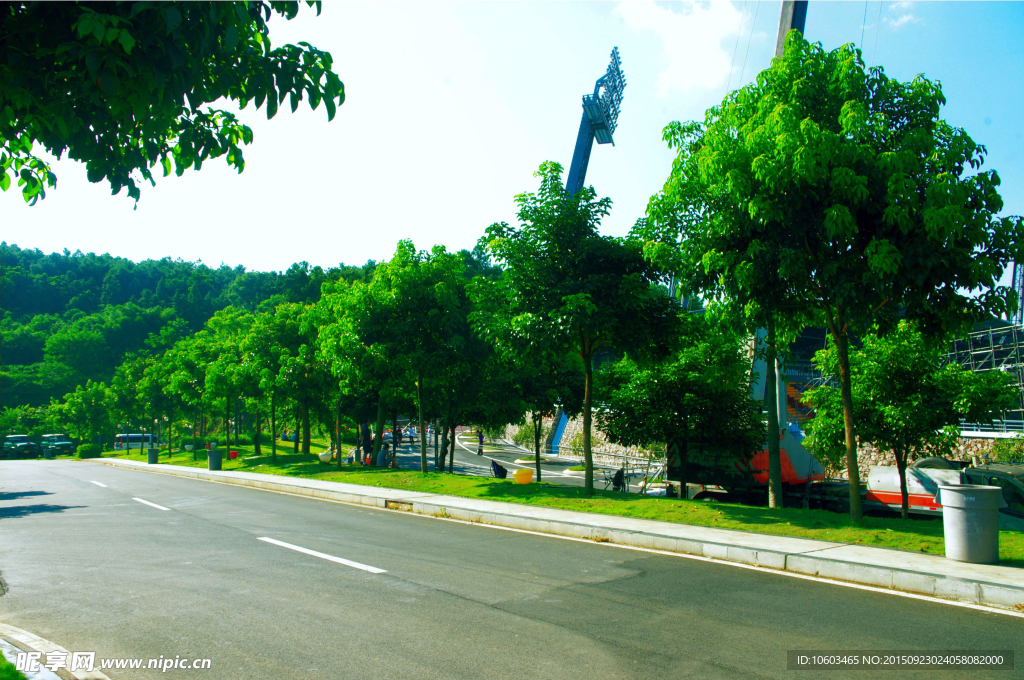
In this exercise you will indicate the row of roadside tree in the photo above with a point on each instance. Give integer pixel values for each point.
(823, 194)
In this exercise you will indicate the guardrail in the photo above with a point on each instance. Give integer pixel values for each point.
(1000, 426)
(601, 457)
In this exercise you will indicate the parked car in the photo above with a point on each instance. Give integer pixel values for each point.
(20, 446)
(1008, 476)
(58, 444)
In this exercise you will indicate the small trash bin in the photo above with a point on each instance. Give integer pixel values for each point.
(214, 459)
(523, 475)
(48, 454)
(154, 456)
(970, 519)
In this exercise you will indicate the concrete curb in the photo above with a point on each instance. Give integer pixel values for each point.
(972, 591)
(26, 641)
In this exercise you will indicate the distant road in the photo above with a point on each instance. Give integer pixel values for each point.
(133, 564)
(468, 462)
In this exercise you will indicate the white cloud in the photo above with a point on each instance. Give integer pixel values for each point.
(903, 20)
(694, 38)
(907, 17)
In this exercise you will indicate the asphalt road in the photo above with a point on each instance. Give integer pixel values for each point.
(467, 462)
(92, 569)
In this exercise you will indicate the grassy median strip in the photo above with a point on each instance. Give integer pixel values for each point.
(918, 535)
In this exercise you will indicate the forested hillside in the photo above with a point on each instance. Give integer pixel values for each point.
(67, 318)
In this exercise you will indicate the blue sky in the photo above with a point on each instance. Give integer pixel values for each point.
(451, 107)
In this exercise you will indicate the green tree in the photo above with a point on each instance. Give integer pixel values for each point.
(406, 326)
(86, 411)
(126, 401)
(866, 202)
(567, 289)
(303, 375)
(189, 359)
(546, 384)
(696, 402)
(224, 375)
(158, 398)
(905, 401)
(123, 86)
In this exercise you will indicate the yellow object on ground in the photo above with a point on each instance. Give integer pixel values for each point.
(523, 475)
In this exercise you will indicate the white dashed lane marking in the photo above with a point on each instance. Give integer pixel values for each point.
(331, 558)
(154, 505)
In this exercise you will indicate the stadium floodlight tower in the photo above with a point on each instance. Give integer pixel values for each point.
(600, 118)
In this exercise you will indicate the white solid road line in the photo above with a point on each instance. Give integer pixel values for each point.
(158, 507)
(331, 558)
(100, 484)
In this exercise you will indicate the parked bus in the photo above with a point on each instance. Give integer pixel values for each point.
(133, 441)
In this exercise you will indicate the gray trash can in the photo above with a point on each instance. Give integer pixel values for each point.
(48, 454)
(214, 458)
(154, 456)
(970, 518)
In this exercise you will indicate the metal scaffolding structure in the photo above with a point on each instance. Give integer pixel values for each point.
(1000, 348)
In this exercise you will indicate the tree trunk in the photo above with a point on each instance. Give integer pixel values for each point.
(256, 427)
(337, 429)
(846, 389)
(419, 415)
(378, 430)
(227, 421)
(273, 426)
(901, 467)
(395, 437)
(437, 450)
(451, 459)
(195, 426)
(679, 447)
(170, 434)
(538, 421)
(305, 427)
(297, 435)
(588, 397)
(771, 401)
(444, 446)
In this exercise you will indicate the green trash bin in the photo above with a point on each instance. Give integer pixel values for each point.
(153, 456)
(48, 454)
(214, 459)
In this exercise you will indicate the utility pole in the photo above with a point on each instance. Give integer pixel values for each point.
(793, 15)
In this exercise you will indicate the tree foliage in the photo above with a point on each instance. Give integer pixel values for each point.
(905, 401)
(696, 402)
(123, 87)
(849, 186)
(566, 289)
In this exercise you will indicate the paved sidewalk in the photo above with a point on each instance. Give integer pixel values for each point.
(983, 584)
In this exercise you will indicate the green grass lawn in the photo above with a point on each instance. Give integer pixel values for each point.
(8, 671)
(918, 535)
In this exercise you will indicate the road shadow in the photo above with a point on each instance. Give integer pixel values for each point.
(17, 511)
(11, 495)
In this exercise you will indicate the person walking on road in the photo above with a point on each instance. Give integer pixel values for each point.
(480, 442)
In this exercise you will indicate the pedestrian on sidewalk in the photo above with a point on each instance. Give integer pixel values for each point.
(480, 442)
